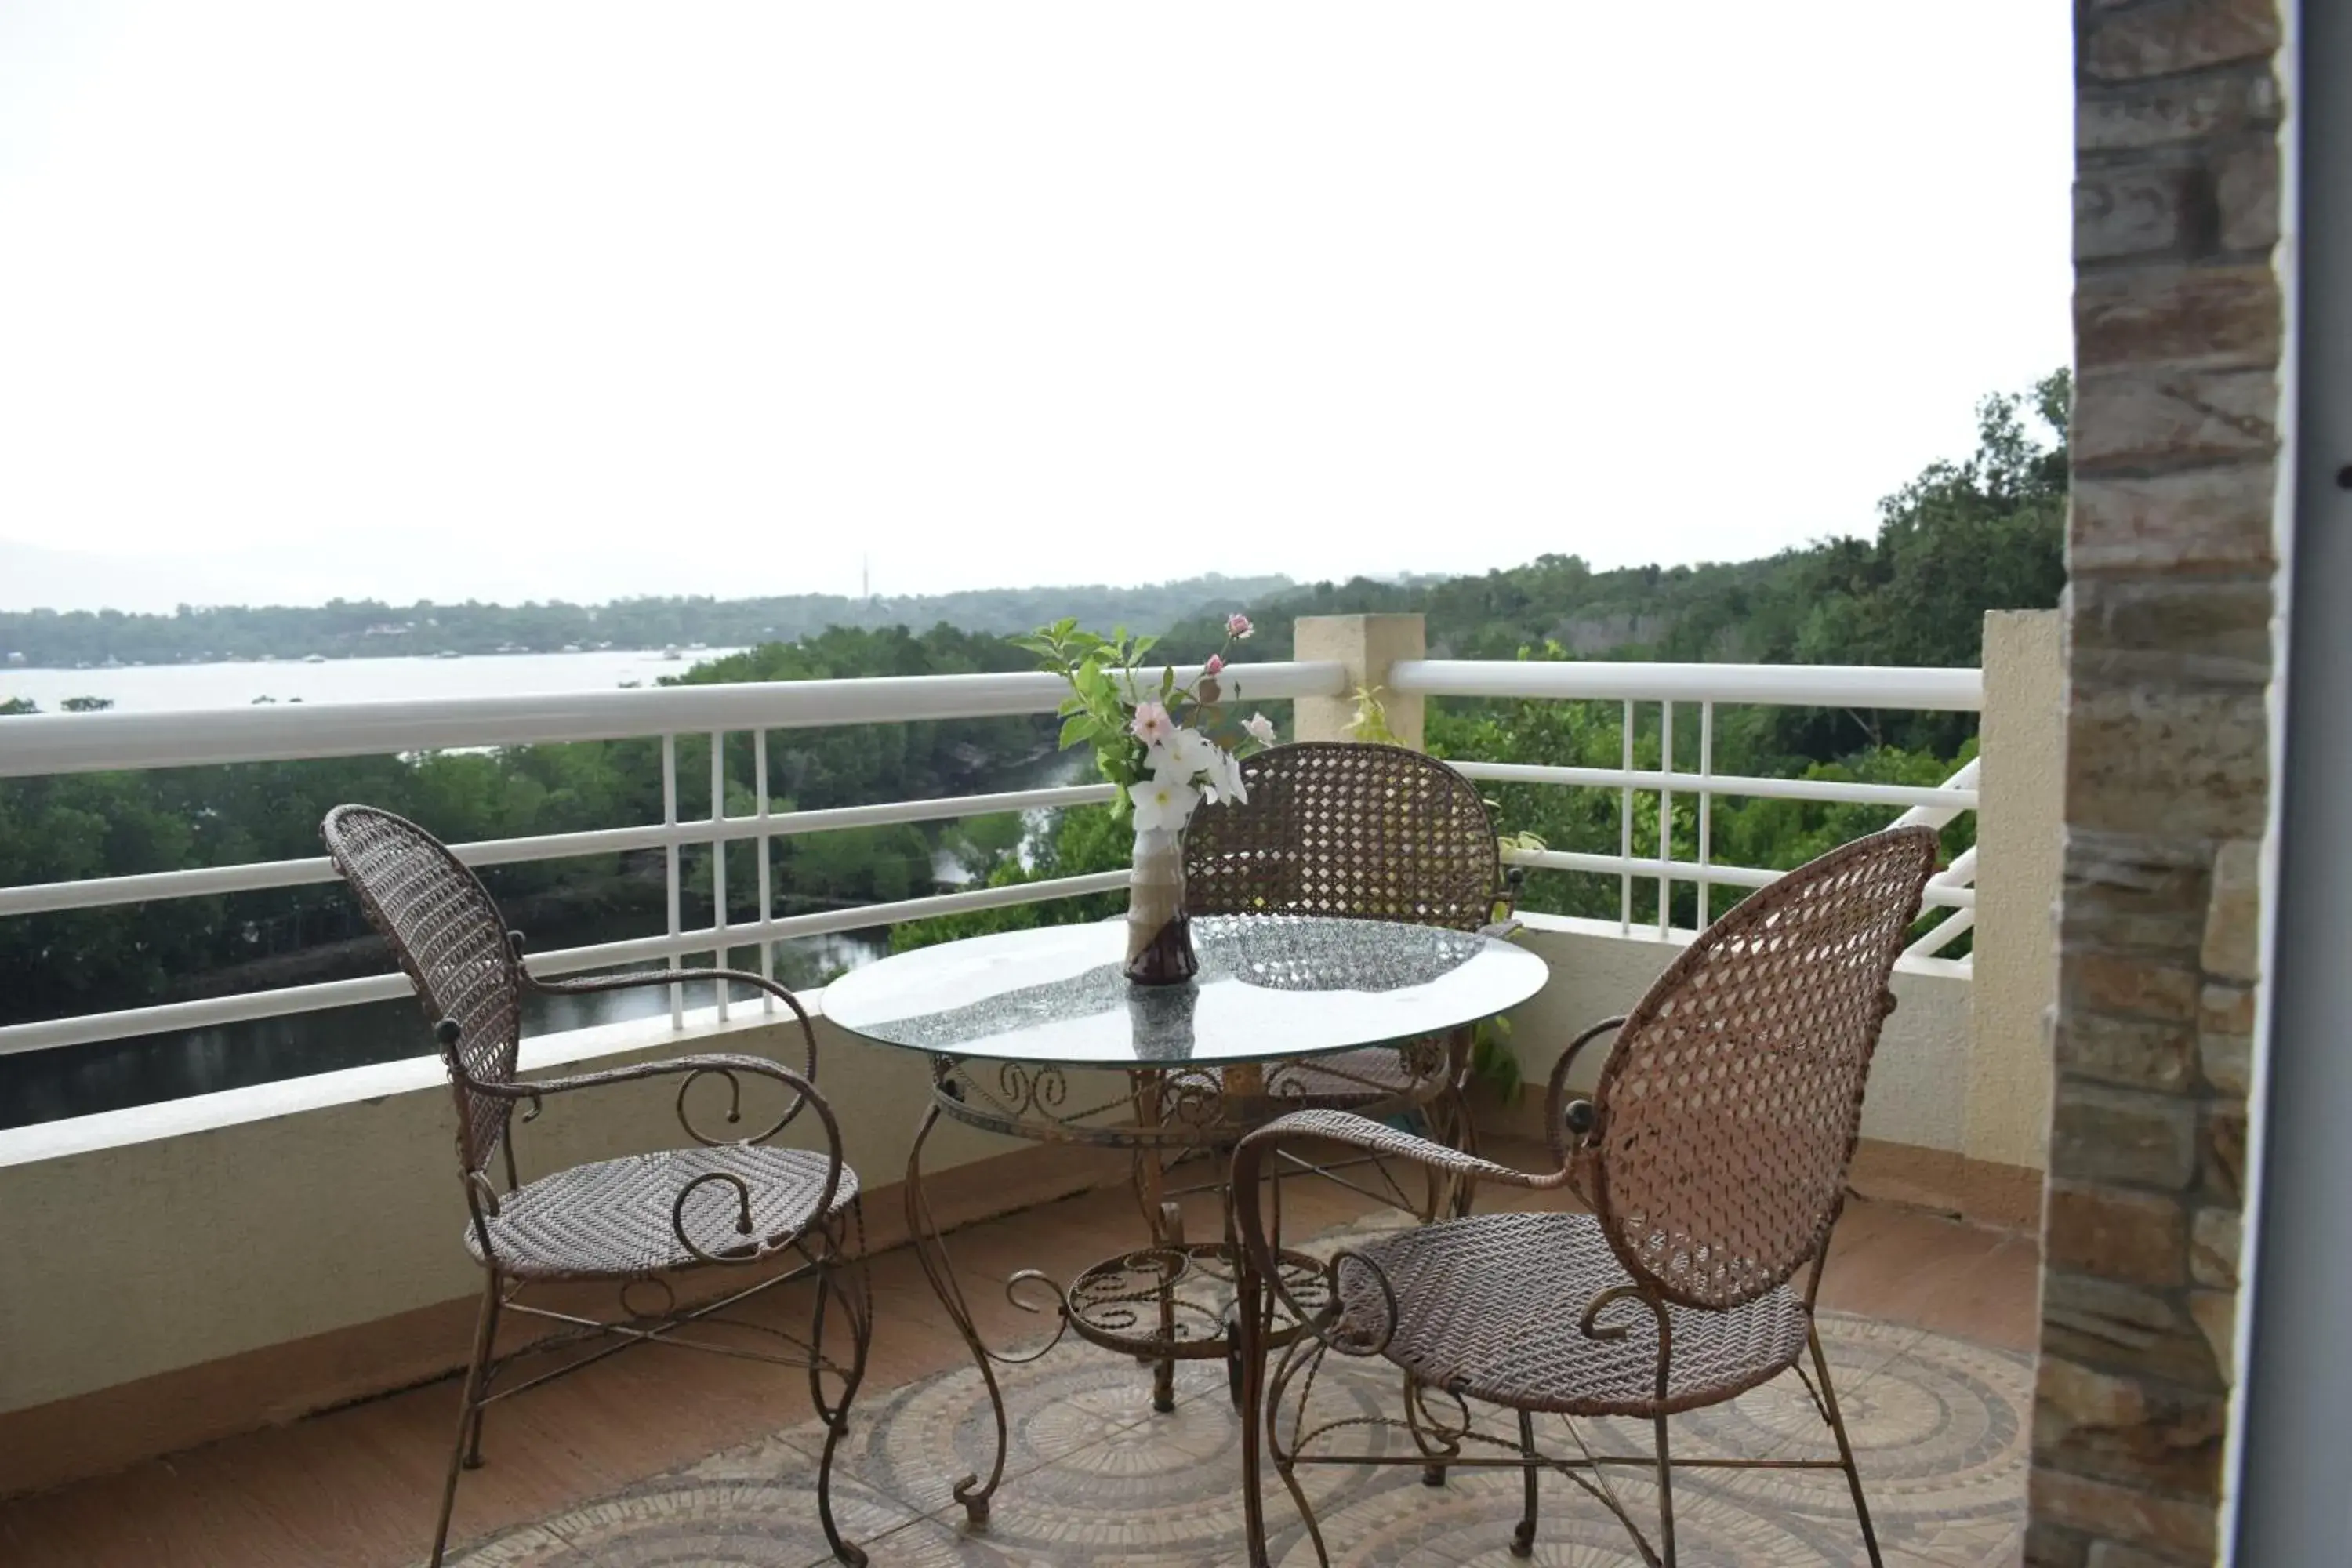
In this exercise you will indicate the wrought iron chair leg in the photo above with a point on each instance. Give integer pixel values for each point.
(1845, 1449)
(1431, 1474)
(1665, 1496)
(857, 1305)
(1523, 1539)
(469, 1410)
(1163, 1371)
(492, 1304)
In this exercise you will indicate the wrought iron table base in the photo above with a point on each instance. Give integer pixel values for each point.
(1169, 1300)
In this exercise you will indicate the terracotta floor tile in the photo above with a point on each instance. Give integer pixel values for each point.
(355, 1488)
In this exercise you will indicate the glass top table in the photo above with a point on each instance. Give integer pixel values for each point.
(1039, 1035)
(1271, 987)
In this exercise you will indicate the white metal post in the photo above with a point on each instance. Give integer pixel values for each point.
(1625, 831)
(1705, 800)
(1665, 817)
(669, 861)
(767, 896)
(718, 860)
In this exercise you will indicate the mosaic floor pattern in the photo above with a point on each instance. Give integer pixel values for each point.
(1093, 1477)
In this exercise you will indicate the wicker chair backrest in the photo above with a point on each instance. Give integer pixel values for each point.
(1730, 1105)
(1362, 832)
(444, 927)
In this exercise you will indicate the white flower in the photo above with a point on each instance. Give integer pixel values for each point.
(1225, 778)
(1152, 725)
(1163, 804)
(1260, 729)
(1185, 756)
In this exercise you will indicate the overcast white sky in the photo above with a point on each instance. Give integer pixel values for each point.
(571, 300)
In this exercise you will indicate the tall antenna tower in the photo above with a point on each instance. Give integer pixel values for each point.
(865, 577)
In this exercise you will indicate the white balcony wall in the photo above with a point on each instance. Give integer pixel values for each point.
(143, 1245)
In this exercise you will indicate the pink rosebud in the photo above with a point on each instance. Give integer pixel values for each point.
(1237, 625)
(1152, 725)
(1215, 666)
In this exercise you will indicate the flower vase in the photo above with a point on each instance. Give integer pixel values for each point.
(1159, 934)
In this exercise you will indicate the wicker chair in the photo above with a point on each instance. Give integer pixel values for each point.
(1362, 832)
(633, 1221)
(1713, 1153)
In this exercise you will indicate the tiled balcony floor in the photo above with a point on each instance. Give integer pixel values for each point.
(622, 1465)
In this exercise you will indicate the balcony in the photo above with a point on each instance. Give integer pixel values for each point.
(230, 1317)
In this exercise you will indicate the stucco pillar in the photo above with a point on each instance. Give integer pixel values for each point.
(1367, 646)
(2021, 841)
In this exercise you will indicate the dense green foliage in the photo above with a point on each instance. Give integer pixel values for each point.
(77, 826)
(1963, 537)
(1986, 532)
(362, 627)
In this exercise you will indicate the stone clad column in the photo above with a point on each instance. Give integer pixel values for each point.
(2172, 552)
(1368, 646)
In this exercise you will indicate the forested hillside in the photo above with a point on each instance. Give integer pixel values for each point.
(1966, 536)
(1983, 533)
(358, 628)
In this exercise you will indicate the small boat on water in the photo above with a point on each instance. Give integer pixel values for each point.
(314, 658)
(671, 652)
(448, 653)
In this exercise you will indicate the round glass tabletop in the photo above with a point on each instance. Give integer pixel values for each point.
(1270, 988)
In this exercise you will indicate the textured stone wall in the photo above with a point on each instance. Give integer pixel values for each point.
(2171, 557)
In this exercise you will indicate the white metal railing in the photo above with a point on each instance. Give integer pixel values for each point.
(56, 743)
(1704, 685)
(60, 743)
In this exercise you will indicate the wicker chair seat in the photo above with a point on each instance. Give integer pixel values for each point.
(1488, 1308)
(1344, 1078)
(1344, 1081)
(612, 1219)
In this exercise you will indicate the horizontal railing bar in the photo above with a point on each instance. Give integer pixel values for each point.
(1946, 933)
(207, 881)
(84, 742)
(1714, 871)
(1940, 816)
(54, 1034)
(1854, 793)
(1960, 873)
(1783, 685)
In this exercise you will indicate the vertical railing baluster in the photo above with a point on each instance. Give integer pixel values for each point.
(718, 860)
(1625, 832)
(767, 899)
(670, 864)
(1666, 818)
(1705, 800)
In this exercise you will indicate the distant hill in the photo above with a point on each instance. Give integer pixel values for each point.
(367, 627)
(1981, 534)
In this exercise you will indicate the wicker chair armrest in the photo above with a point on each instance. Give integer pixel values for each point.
(585, 985)
(1563, 1115)
(530, 1092)
(575, 985)
(1506, 902)
(1504, 928)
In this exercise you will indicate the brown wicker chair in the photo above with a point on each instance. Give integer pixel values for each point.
(1714, 1154)
(632, 1220)
(1360, 832)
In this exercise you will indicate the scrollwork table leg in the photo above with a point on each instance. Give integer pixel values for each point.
(930, 1251)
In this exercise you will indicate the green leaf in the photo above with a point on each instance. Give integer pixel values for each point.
(1078, 727)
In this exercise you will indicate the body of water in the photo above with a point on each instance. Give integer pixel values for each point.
(181, 687)
(115, 1074)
